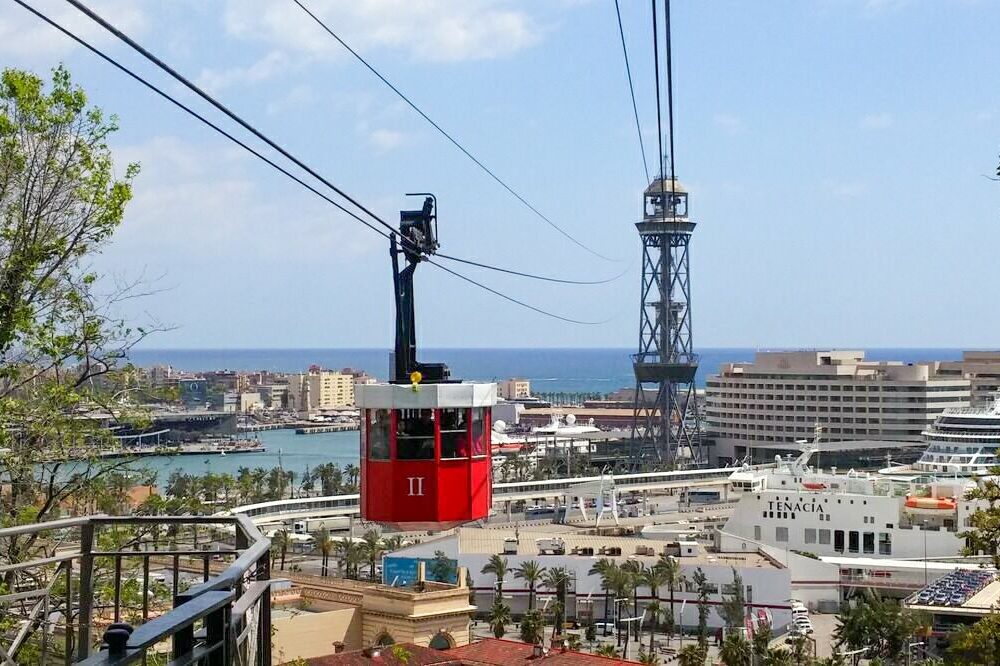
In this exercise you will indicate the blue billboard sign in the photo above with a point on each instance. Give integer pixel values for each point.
(402, 571)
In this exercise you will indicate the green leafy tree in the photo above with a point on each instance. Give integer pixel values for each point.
(442, 568)
(881, 627)
(701, 587)
(499, 617)
(978, 643)
(984, 523)
(733, 608)
(62, 349)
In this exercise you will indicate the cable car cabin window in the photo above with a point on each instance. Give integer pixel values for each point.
(415, 434)
(478, 431)
(378, 434)
(454, 433)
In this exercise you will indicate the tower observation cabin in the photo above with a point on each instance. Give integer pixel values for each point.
(425, 437)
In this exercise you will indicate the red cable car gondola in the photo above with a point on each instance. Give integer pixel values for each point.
(425, 438)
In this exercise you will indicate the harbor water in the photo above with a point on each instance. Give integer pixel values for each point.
(295, 453)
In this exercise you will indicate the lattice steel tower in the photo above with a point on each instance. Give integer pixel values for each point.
(665, 428)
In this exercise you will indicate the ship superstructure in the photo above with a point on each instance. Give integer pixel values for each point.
(962, 441)
(831, 513)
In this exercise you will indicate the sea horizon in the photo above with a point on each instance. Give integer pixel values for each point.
(549, 369)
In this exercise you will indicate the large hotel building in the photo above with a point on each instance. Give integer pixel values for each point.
(767, 406)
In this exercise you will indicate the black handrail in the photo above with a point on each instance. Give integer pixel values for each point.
(222, 603)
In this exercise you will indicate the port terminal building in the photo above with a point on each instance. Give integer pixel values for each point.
(766, 579)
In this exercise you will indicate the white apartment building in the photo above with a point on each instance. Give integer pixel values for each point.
(781, 397)
(320, 389)
(514, 389)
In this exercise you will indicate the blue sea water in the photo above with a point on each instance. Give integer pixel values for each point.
(590, 370)
(586, 370)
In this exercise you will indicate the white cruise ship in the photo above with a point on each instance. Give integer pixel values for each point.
(961, 442)
(858, 514)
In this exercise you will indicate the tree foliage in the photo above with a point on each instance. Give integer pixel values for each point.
(62, 347)
(984, 533)
(978, 643)
(881, 627)
(733, 607)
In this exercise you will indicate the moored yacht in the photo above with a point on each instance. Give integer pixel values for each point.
(826, 513)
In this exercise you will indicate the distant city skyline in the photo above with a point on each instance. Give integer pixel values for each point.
(835, 151)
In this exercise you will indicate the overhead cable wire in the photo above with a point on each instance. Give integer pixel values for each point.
(292, 176)
(514, 300)
(450, 138)
(631, 89)
(97, 18)
(528, 275)
(670, 95)
(659, 115)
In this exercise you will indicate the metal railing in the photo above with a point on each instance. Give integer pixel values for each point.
(225, 619)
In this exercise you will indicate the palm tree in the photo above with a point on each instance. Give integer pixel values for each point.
(392, 543)
(326, 546)
(373, 549)
(692, 655)
(352, 472)
(532, 626)
(556, 579)
(281, 543)
(636, 572)
(606, 650)
(531, 572)
(654, 578)
(735, 650)
(349, 556)
(499, 617)
(654, 609)
(649, 658)
(497, 565)
(672, 579)
(603, 567)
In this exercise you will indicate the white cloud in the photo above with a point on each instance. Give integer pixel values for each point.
(728, 123)
(877, 121)
(297, 98)
(272, 64)
(198, 201)
(385, 139)
(430, 30)
(24, 35)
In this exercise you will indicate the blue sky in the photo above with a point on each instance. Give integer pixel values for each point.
(835, 151)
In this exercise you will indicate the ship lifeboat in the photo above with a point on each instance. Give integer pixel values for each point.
(814, 486)
(931, 503)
